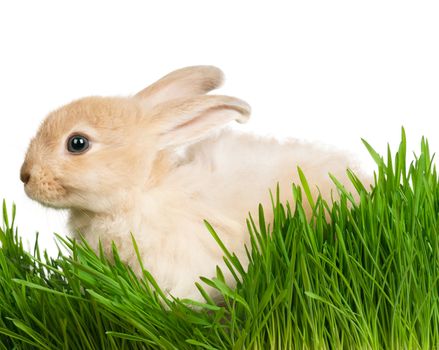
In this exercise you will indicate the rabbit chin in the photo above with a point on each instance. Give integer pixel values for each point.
(56, 199)
(72, 200)
(50, 202)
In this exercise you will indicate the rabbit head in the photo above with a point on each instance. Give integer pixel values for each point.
(88, 153)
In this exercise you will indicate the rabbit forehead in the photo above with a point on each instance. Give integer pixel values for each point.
(92, 112)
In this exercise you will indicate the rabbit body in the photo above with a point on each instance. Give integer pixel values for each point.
(160, 163)
(220, 179)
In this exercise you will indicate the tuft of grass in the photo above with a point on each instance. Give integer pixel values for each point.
(366, 278)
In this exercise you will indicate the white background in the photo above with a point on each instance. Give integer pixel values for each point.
(327, 71)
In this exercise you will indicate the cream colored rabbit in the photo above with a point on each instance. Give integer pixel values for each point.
(157, 164)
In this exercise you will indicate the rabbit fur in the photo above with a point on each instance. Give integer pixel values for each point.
(158, 164)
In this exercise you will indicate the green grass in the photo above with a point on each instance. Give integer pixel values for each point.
(366, 279)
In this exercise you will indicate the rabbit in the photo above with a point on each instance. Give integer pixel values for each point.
(159, 163)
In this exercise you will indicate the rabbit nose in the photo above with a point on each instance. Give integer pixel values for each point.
(25, 177)
(24, 174)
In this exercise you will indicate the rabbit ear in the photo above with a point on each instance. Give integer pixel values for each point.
(185, 82)
(179, 122)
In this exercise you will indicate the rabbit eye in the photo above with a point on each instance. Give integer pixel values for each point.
(77, 144)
